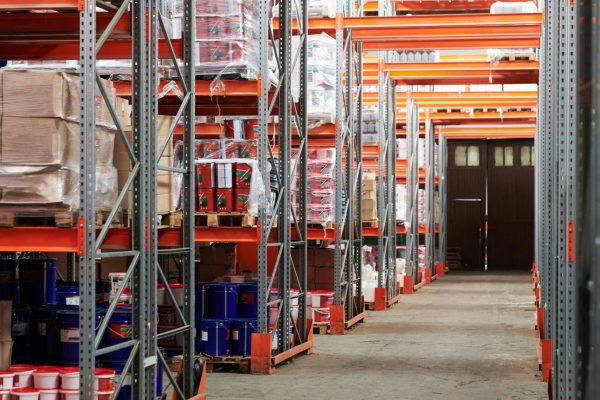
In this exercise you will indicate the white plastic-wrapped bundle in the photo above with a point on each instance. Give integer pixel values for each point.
(400, 202)
(505, 7)
(316, 8)
(320, 78)
(40, 143)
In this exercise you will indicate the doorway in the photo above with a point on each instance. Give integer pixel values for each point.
(491, 203)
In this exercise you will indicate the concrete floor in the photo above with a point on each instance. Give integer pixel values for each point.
(467, 336)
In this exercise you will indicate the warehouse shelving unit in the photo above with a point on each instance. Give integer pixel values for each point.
(412, 203)
(348, 308)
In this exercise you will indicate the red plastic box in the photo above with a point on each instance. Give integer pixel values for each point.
(208, 148)
(243, 175)
(224, 200)
(242, 196)
(205, 175)
(206, 200)
(251, 129)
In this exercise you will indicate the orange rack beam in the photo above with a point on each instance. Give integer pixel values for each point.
(449, 31)
(457, 72)
(54, 240)
(434, 5)
(462, 100)
(491, 132)
(477, 117)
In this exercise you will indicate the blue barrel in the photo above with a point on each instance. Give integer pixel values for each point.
(222, 300)
(7, 279)
(200, 300)
(21, 335)
(47, 336)
(212, 337)
(248, 300)
(37, 281)
(68, 325)
(67, 294)
(119, 330)
(241, 336)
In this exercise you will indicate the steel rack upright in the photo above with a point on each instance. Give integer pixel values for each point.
(412, 190)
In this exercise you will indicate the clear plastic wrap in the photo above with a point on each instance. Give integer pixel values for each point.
(40, 143)
(401, 202)
(227, 37)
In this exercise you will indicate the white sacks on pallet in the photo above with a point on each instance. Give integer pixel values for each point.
(502, 7)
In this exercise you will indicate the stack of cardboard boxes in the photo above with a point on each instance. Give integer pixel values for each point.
(40, 142)
(369, 194)
(214, 262)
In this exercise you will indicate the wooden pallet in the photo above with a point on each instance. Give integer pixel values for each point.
(318, 225)
(214, 220)
(516, 57)
(223, 364)
(370, 224)
(172, 219)
(320, 328)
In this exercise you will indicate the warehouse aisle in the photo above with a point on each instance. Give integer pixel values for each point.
(466, 336)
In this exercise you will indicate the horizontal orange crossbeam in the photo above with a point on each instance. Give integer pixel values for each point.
(49, 239)
(477, 117)
(433, 5)
(458, 72)
(38, 4)
(447, 31)
(461, 100)
(492, 132)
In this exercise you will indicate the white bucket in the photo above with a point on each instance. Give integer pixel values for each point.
(6, 380)
(69, 394)
(308, 300)
(273, 313)
(49, 394)
(104, 395)
(160, 295)
(23, 377)
(69, 379)
(4, 394)
(294, 295)
(177, 289)
(46, 378)
(25, 393)
(294, 310)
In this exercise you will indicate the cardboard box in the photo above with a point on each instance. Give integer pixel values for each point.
(369, 195)
(45, 186)
(213, 272)
(49, 94)
(369, 181)
(5, 320)
(216, 261)
(224, 200)
(369, 211)
(225, 176)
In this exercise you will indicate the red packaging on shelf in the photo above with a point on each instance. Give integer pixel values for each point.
(321, 198)
(224, 200)
(251, 129)
(206, 200)
(231, 148)
(320, 182)
(234, 129)
(319, 168)
(243, 175)
(208, 148)
(205, 176)
(210, 27)
(247, 149)
(214, 52)
(242, 196)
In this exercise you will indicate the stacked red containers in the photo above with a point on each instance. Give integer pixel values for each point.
(223, 179)
(320, 185)
(225, 33)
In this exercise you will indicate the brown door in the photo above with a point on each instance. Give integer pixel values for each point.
(510, 204)
(466, 201)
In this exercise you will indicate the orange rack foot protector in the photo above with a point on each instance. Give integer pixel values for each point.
(439, 269)
(408, 285)
(337, 321)
(380, 299)
(260, 362)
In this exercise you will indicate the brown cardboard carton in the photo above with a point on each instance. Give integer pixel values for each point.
(5, 353)
(369, 194)
(369, 211)
(24, 185)
(369, 181)
(5, 320)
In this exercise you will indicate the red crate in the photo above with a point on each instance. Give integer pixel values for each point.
(320, 182)
(214, 52)
(205, 200)
(224, 200)
(248, 149)
(205, 175)
(320, 198)
(251, 128)
(243, 175)
(242, 197)
(231, 148)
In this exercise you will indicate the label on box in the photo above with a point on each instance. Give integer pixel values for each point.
(120, 331)
(72, 301)
(235, 334)
(41, 328)
(69, 335)
(205, 336)
(20, 328)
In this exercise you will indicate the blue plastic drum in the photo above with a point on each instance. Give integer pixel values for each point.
(67, 294)
(212, 337)
(248, 300)
(37, 281)
(200, 300)
(222, 300)
(241, 336)
(118, 331)
(68, 327)
(21, 331)
(47, 336)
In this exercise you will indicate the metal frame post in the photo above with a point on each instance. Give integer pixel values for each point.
(412, 190)
(443, 168)
(430, 197)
